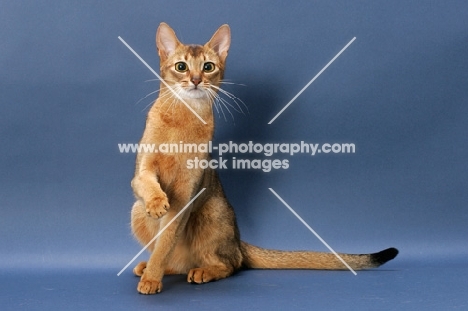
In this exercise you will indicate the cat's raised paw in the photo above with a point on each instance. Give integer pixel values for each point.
(147, 287)
(157, 207)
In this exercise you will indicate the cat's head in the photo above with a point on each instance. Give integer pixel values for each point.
(192, 70)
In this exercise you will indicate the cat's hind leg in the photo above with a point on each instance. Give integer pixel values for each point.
(215, 242)
(208, 274)
(139, 268)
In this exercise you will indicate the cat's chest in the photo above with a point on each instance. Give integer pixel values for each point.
(167, 134)
(176, 170)
(181, 124)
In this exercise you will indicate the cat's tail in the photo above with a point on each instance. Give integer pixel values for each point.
(260, 258)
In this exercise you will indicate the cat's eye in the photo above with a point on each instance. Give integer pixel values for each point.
(208, 67)
(181, 67)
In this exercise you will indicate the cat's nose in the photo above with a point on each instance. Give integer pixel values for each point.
(196, 80)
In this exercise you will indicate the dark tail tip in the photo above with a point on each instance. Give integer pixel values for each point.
(382, 257)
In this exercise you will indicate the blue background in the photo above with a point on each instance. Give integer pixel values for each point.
(70, 92)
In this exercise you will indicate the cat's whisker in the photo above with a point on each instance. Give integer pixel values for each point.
(234, 98)
(143, 98)
(157, 79)
(174, 99)
(164, 94)
(172, 105)
(177, 91)
(223, 102)
(214, 98)
(231, 83)
(222, 111)
(230, 95)
(165, 103)
(149, 105)
(223, 107)
(167, 92)
(237, 109)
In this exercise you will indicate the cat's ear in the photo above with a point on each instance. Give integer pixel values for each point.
(166, 41)
(221, 41)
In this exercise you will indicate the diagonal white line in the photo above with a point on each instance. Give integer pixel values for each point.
(313, 231)
(161, 231)
(313, 79)
(165, 83)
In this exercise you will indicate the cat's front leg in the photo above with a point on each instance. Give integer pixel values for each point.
(147, 188)
(157, 205)
(149, 287)
(154, 270)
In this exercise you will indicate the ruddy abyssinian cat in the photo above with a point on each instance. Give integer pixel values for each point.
(203, 242)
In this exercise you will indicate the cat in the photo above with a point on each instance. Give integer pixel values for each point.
(204, 241)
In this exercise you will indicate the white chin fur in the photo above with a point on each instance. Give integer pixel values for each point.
(193, 93)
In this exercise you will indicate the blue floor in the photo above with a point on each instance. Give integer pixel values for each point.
(399, 285)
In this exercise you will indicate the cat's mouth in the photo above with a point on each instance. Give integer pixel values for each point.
(194, 92)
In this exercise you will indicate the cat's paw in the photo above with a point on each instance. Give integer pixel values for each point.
(148, 287)
(199, 276)
(157, 207)
(139, 268)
